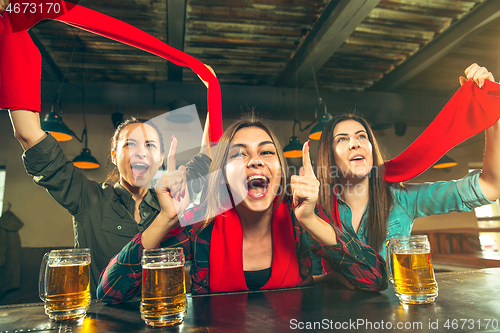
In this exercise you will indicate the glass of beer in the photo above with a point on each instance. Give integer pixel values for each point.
(64, 283)
(410, 269)
(164, 300)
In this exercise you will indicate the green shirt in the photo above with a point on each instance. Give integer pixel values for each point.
(412, 201)
(103, 215)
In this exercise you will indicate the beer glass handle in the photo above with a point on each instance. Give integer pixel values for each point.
(388, 261)
(42, 279)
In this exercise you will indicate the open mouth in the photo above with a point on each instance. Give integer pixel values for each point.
(257, 186)
(139, 169)
(357, 158)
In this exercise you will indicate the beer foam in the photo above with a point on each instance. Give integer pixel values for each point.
(59, 264)
(411, 251)
(156, 265)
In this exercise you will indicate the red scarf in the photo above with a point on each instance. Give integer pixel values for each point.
(470, 111)
(226, 253)
(109, 27)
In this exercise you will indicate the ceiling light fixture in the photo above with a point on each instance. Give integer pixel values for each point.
(85, 160)
(325, 118)
(53, 123)
(294, 148)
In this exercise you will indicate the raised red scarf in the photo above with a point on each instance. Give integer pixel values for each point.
(470, 111)
(226, 253)
(109, 27)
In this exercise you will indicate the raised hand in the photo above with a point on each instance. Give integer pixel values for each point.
(171, 189)
(305, 188)
(477, 74)
(211, 70)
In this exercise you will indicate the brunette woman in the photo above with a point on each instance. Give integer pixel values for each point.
(105, 215)
(351, 173)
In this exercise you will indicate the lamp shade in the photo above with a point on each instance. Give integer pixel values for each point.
(85, 160)
(318, 128)
(293, 148)
(445, 162)
(52, 123)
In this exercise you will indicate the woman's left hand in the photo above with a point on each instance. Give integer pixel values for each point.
(305, 188)
(477, 74)
(171, 189)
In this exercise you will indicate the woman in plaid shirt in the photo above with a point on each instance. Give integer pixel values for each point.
(254, 230)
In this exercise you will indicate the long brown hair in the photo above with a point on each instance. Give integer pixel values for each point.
(114, 176)
(380, 197)
(215, 189)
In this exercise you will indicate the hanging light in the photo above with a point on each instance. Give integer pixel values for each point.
(294, 148)
(85, 160)
(325, 118)
(445, 162)
(318, 128)
(53, 123)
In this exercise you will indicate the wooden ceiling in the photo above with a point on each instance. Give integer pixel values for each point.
(407, 47)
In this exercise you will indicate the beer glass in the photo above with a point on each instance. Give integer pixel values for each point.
(409, 266)
(164, 300)
(64, 283)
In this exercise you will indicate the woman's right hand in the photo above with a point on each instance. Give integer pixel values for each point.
(477, 74)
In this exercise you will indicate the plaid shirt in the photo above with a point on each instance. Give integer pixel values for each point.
(358, 263)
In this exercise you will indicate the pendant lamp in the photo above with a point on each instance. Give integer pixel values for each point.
(325, 118)
(52, 122)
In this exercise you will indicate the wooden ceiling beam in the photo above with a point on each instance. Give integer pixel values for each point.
(176, 19)
(337, 22)
(440, 46)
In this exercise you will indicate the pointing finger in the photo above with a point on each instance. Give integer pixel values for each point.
(306, 161)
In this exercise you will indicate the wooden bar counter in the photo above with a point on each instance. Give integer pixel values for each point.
(468, 301)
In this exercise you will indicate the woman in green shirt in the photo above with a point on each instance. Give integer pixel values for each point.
(351, 171)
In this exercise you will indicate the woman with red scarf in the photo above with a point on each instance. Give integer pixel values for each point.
(254, 230)
(365, 194)
(106, 215)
